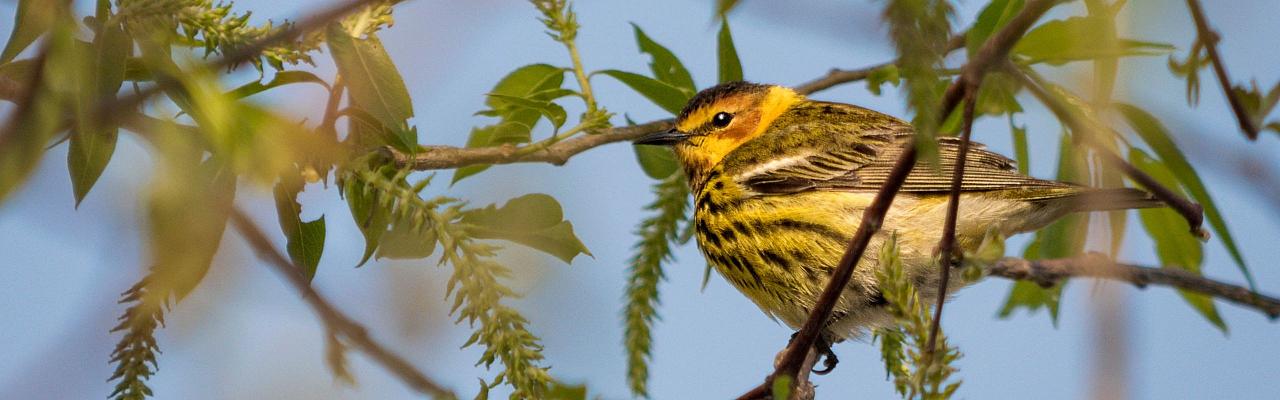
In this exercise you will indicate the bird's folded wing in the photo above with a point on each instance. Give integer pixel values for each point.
(862, 162)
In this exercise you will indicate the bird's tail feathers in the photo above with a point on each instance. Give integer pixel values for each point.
(1112, 199)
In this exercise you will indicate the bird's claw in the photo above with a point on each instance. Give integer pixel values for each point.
(829, 359)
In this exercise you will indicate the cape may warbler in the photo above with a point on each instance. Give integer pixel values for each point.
(780, 182)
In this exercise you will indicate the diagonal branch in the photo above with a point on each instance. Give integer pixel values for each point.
(1049, 272)
(946, 247)
(335, 321)
(992, 54)
(1210, 40)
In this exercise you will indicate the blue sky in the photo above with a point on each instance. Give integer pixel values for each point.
(244, 334)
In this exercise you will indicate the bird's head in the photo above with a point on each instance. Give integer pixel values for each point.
(720, 119)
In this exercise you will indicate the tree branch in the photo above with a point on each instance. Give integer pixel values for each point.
(1049, 272)
(334, 320)
(841, 76)
(448, 157)
(993, 53)
(1210, 40)
(946, 246)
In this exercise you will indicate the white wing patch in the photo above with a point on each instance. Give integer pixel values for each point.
(774, 165)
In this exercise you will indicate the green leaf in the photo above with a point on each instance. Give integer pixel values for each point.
(665, 65)
(723, 7)
(304, 239)
(525, 81)
(1154, 133)
(727, 55)
(34, 18)
(281, 78)
(1174, 247)
(665, 96)
(404, 242)
(1063, 238)
(373, 82)
(993, 17)
(188, 206)
(561, 391)
(534, 220)
(552, 111)
(658, 162)
(1077, 38)
(1029, 295)
(93, 140)
(997, 95)
(1020, 151)
(519, 99)
(880, 76)
(370, 217)
(36, 118)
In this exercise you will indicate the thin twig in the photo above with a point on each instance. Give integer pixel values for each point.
(333, 319)
(1049, 272)
(1191, 211)
(993, 53)
(841, 76)
(1210, 40)
(448, 157)
(946, 246)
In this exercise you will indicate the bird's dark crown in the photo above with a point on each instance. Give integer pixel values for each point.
(716, 93)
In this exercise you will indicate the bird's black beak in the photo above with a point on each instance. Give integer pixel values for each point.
(660, 138)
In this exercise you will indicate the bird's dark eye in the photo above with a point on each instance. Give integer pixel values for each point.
(721, 119)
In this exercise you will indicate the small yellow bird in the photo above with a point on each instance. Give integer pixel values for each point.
(780, 182)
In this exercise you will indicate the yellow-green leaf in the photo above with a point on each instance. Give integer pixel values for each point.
(94, 139)
(1077, 38)
(373, 82)
(1174, 246)
(525, 81)
(1154, 133)
(280, 79)
(304, 240)
(34, 18)
(552, 111)
(992, 18)
(1020, 151)
(188, 207)
(534, 220)
(403, 242)
(727, 54)
(668, 97)
(665, 65)
(37, 117)
(658, 162)
(370, 217)
(1064, 238)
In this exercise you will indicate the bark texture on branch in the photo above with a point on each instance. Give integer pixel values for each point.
(1049, 272)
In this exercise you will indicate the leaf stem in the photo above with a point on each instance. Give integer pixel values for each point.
(584, 82)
